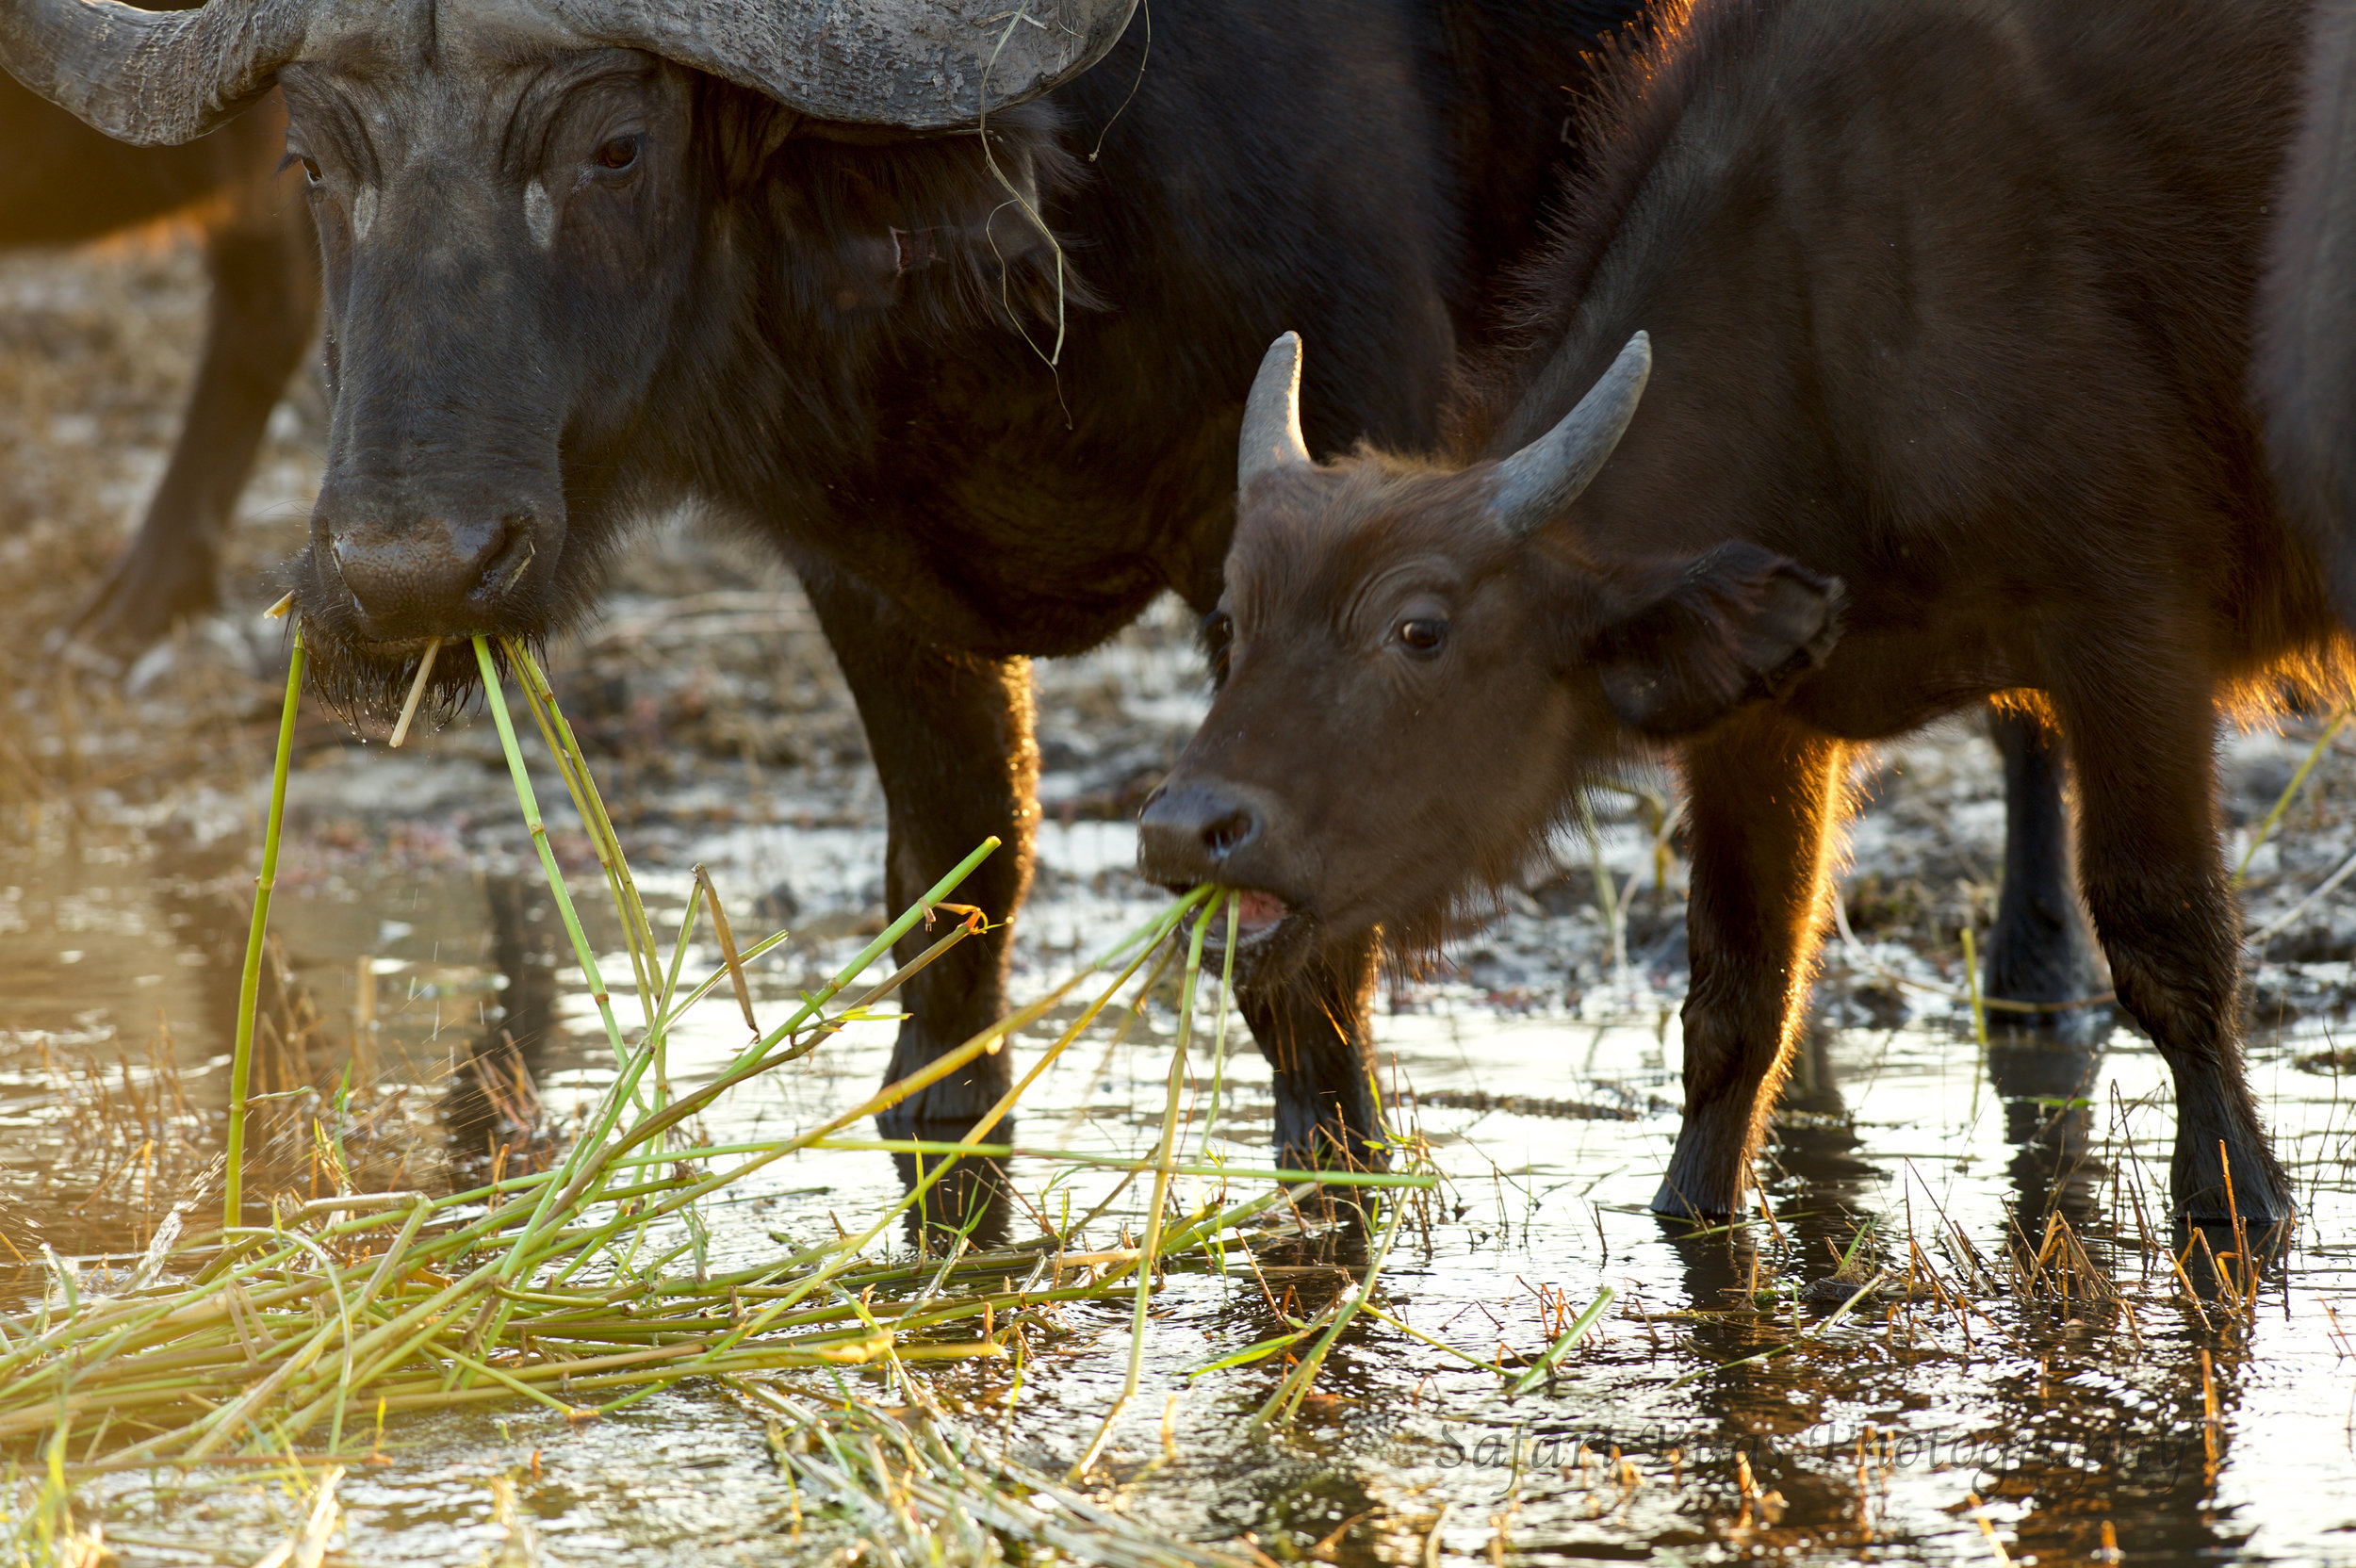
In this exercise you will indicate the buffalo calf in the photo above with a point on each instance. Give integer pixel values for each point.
(1893, 361)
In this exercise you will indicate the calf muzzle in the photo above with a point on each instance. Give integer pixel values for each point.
(1200, 833)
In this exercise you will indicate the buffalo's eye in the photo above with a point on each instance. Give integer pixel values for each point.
(1219, 640)
(618, 154)
(1422, 635)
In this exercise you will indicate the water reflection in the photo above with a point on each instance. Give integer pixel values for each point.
(2093, 1411)
(972, 1198)
(2061, 1410)
(2045, 1078)
(491, 1103)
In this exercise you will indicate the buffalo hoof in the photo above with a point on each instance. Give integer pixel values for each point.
(1675, 1201)
(1306, 1142)
(970, 1198)
(1709, 1168)
(2218, 1264)
(2045, 957)
(2261, 1200)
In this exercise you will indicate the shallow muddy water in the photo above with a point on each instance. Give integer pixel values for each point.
(1724, 1406)
(1551, 1120)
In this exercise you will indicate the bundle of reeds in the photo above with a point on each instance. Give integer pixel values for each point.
(587, 1286)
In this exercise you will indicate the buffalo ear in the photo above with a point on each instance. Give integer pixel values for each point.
(1694, 640)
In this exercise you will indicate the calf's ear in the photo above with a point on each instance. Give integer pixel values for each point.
(1690, 641)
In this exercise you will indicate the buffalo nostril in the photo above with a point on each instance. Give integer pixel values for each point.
(1223, 835)
(513, 558)
(1193, 832)
(438, 574)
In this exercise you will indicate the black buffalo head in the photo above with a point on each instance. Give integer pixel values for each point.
(527, 208)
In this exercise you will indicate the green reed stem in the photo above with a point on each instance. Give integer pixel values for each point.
(1148, 1250)
(249, 982)
(1544, 1366)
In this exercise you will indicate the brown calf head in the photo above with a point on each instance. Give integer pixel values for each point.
(1418, 670)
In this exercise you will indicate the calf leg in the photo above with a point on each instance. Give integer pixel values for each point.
(1764, 797)
(1313, 1030)
(2038, 949)
(265, 273)
(951, 735)
(2154, 879)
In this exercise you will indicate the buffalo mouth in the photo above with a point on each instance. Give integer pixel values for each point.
(365, 676)
(367, 681)
(1263, 922)
(401, 651)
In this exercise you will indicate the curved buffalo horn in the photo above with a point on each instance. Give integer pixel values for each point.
(925, 64)
(1271, 416)
(1534, 485)
(157, 78)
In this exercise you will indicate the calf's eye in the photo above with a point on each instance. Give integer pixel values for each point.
(1422, 636)
(618, 154)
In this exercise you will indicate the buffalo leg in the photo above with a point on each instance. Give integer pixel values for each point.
(265, 296)
(2039, 949)
(951, 735)
(2154, 879)
(1313, 1030)
(1763, 800)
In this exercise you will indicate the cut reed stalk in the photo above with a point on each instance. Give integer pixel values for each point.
(417, 691)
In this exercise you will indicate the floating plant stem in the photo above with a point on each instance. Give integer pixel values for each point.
(1286, 1401)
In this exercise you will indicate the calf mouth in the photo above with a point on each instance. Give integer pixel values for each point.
(1265, 925)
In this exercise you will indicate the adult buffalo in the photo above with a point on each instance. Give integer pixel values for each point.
(2305, 370)
(1940, 318)
(972, 363)
(63, 183)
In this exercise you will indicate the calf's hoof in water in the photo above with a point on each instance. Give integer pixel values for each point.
(2052, 963)
(1707, 1173)
(2046, 960)
(1676, 1201)
(2261, 1198)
